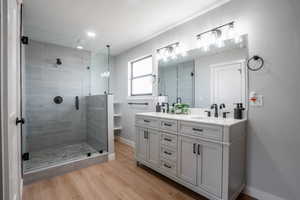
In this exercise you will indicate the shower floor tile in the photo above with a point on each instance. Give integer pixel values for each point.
(57, 156)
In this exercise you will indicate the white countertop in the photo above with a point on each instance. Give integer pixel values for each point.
(194, 118)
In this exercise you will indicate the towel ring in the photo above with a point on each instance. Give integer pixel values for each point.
(259, 63)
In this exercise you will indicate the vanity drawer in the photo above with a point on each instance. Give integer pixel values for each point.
(169, 167)
(169, 140)
(201, 130)
(169, 125)
(148, 122)
(168, 154)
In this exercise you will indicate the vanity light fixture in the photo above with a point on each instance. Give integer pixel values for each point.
(171, 51)
(217, 36)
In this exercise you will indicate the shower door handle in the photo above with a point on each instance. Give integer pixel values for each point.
(77, 102)
(20, 121)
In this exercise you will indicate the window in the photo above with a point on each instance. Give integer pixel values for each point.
(141, 77)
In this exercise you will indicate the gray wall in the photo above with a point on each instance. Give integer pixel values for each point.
(273, 28)
(49, 124)
(97, 122)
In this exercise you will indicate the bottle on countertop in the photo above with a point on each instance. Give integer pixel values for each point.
(158, 107)
(238, 111)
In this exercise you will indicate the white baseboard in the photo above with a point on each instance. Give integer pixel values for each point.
(126, 141)
(236, 194)
(258, 194)
(111, 156)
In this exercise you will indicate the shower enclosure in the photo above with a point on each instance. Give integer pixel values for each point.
(65, 120)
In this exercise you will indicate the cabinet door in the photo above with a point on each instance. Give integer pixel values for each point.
(210, 167)
(153, 147)
(142, 141)
(187, 159)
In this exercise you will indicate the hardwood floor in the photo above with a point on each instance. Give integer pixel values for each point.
(120, 179)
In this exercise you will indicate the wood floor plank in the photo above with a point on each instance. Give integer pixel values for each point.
(115, 180)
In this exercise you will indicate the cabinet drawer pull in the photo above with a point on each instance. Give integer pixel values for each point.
(167, 124)
(168, 139)
(194, 148)
(198, 129)
(147, 121)
(168, 153)
(167, 166)
(199, 149)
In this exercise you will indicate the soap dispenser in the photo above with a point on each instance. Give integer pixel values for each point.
(158, 107)
(238, 111)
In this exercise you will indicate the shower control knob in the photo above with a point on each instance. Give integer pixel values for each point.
(20, 121)
(58, 100)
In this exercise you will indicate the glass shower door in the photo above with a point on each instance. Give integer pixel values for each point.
(58, 122)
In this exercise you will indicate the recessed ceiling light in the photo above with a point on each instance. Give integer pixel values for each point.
(79, 47)
(91, 34)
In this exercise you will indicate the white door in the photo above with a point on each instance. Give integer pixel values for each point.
(228, 83)
(142, 143)
(11, 102)
(188, 159)
(210, 167)
(153, 147)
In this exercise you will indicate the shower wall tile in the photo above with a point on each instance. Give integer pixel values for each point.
(97, 122)
(49, 124)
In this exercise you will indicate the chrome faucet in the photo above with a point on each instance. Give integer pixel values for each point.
(215, 106)
(178, 100)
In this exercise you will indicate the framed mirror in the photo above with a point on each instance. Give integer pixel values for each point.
(202, 78)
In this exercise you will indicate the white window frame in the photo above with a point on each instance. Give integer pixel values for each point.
(131, 78)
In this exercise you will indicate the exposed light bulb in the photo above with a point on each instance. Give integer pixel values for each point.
(183, 53)
(220, 43)
(205, 48)
(79, 47)
(180, 51)
(199, 42)
(105, 74)
(167, 54)
(91, 34)
(173, 55)
(177, 50)
(207, 40)
(230, 32)
(159, 55)
(238, 39)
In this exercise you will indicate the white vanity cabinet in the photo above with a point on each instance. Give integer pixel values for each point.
(148, 146)
(207, 156)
